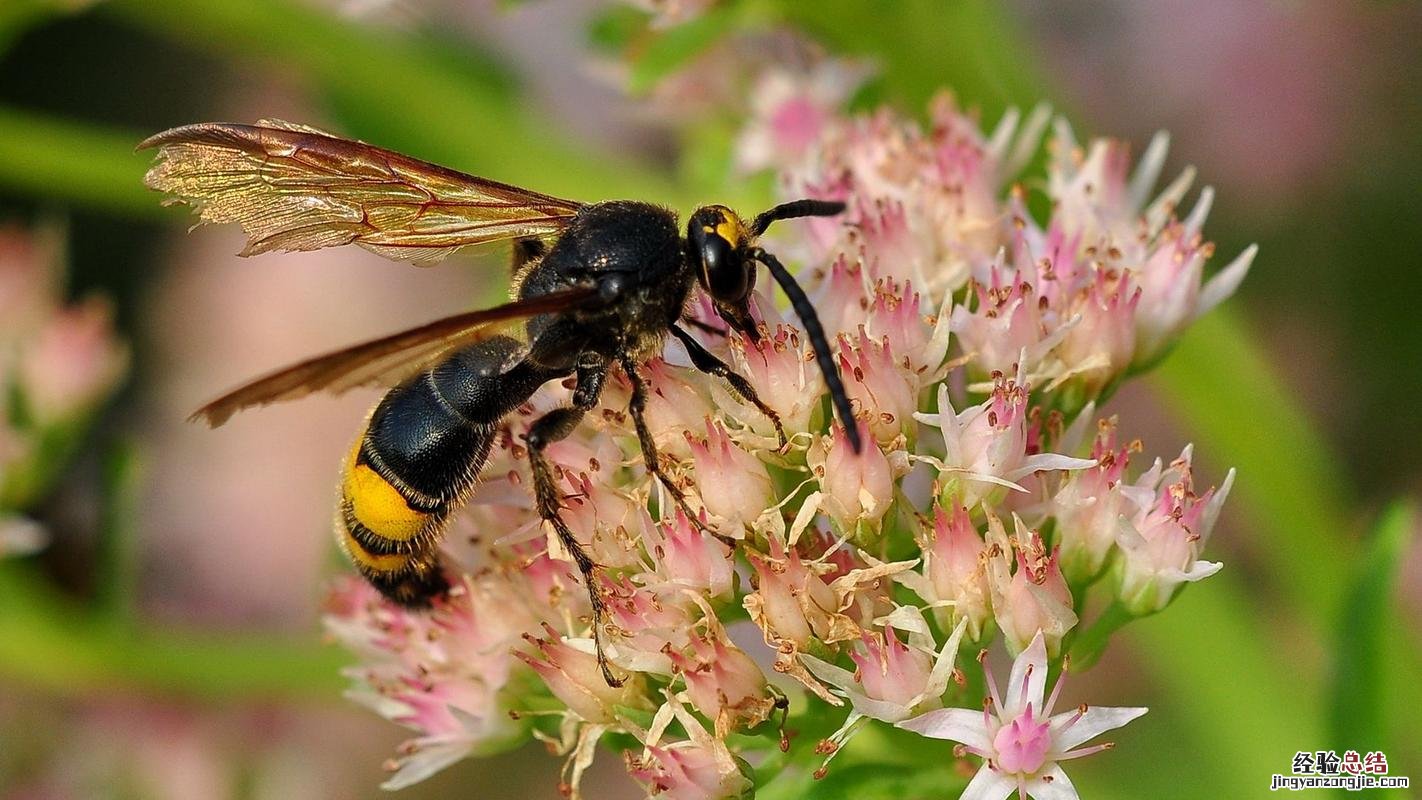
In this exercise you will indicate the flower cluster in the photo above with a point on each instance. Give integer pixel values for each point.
(58, 363)
(976, 342)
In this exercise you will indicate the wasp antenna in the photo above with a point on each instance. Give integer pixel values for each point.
(805, 310)
(793, 209)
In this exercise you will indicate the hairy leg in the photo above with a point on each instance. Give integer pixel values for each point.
(637, 407)
(547, 429)
(704, 360)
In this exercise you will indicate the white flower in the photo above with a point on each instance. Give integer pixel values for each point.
(1020, 743)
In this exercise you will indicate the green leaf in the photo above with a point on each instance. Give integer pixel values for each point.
(922, 46)
(1360, 694)
(116, 579)
(49, 643)
(407, 92)
(86, 165)
(668, 50)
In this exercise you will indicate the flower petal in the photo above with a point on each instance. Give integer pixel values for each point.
(955, 724)
(988, 784)
(1096, 721)
(425, 762)
(1028, 681)
(829, 673)
(1058, 788)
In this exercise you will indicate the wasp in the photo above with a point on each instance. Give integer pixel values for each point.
(595, 287)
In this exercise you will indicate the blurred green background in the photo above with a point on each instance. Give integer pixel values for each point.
(166, 643)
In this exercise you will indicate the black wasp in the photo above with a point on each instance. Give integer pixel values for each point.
(595, 286)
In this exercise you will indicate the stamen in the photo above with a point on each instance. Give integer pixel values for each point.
(1086, 751)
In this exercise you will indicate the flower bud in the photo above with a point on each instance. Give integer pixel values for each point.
(722, 682)
(688, 556)
(890, 671)
(1088, 505)
(1033, 598)
(574, 677)
(697, 768)
(781, 368)
(881, 391)
(953, 563)
(858, 487)
(795, 604)
(1100, 346)
(674, 406)
(734, 484)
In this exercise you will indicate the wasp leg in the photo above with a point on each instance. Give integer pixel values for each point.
(704, 360)
(547, 429)
(638, 408)
(704, 326)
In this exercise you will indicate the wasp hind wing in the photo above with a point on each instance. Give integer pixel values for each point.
(391, 359)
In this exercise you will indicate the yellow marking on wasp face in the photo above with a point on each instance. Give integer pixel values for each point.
(394, 562)
(730, 227)
(378, 505)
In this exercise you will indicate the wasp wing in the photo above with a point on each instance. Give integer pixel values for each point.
(392, 359)
(293, 187)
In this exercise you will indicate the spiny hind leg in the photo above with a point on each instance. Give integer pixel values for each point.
(547, 429)
(637, 407)
(707, 362)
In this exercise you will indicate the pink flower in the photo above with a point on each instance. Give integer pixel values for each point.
(73, 363)
(781, 367)
(1162, 539)
(734, 486)
(1005, 327)
(881, 390)
(1097, 349)
(954, 576)
(1088, 504)
(700, 767)
(791, 602)
(985, 447)
(28, 266)
(1172, 292)
(1033, 598)
(1020, 741)
(688, 556)
(442, 674)
(857, 488)
(921, 341)
(790, 110)
(674, 406)
(571, 672)
(649, 621)
(892, 681)
(722, 682)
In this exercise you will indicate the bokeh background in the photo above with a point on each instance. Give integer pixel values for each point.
(166, 642)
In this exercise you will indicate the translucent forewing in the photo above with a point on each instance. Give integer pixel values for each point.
(293, 187)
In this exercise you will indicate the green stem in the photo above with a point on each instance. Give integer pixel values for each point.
(53, 645)
(80, 164)
(1088, 645)
(407, 92)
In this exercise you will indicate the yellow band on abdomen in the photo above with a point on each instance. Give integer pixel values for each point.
(379, 506)
(370, 562)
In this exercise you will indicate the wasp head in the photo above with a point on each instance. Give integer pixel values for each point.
(723, 248)
(718, 241)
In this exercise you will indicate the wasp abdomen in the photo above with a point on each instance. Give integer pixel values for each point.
(413, 462)
(419, 455)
